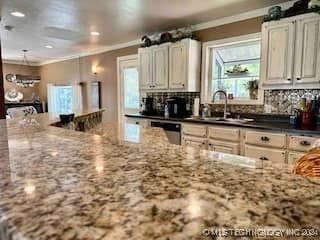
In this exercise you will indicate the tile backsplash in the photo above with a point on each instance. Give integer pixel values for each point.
(281, 101)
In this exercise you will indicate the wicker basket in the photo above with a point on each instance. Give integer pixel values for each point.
(309, 164)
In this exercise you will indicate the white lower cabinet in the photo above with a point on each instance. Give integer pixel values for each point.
(224, 147)
(196, 130)
(294, 156)
(137, 121)
(264, 145)
(266, 139)
(266, 154)
(200, 143)
(301, 143)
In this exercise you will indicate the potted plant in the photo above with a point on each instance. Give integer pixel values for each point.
(253, 86)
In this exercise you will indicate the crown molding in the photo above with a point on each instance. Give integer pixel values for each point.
(17, 62)
(214, 23)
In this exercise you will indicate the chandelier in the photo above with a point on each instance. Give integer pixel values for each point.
(22, 80)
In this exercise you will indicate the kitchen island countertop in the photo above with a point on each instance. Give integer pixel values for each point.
(128, 182)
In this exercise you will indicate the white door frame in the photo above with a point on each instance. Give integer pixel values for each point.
(120, 85)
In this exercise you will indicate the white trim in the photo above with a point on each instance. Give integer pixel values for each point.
(119, 82)
(214, 23)
(206, 68)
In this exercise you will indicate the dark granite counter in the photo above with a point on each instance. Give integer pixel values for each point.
(128, 182)
(266, 124)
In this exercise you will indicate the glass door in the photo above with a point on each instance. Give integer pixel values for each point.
(128, 76)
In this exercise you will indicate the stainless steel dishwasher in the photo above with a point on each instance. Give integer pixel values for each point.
(172, 130)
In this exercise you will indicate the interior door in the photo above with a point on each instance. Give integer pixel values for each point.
(128, 89)
(307, 54)
(277, 53)
(178, 66)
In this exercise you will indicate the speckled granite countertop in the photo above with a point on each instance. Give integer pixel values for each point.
(259, 125)
(129, 183)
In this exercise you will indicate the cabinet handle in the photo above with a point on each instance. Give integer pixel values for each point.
(305, 143)
(265, 139)
(203, 143)
(298, 78)
(210, 144)
(289, 79)
(264, 158)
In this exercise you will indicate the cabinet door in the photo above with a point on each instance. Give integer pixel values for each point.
(178, 60)
(307, 62)
(145, 62)
(277, 53)
(294, 156)
(224, 147)
(160, 67)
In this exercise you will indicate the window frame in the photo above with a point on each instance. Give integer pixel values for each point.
(207, 69)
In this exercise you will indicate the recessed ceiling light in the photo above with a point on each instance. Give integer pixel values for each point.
(18, 14)
(95, 33)
(49, 46)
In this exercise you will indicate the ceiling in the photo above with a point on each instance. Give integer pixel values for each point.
(66, 24)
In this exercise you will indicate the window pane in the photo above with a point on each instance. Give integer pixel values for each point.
(235, 66)
(131, 88)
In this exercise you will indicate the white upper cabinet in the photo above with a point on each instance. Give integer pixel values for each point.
(160, 67)
(184, 65)
(307, 68)
(277, 53)
(145, 73)
(171, 67)
(178, 65)
(290, 55)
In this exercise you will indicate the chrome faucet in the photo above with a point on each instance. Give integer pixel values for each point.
(225, 102)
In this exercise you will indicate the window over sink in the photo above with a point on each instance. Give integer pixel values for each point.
(233, 65)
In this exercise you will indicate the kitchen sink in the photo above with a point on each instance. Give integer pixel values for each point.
(231, 120)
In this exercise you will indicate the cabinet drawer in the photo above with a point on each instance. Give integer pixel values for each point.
(138, 121)
(294, 156)
(224, 147)
(266, 139)
(200, 143)
(194, 130)
(224, 133)
(301, 143)
(268, 154)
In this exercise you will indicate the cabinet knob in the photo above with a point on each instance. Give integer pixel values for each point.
(264, 158)
(265, 139)
(298, 78)
(289, 79)
(182, 85)
(305, 143)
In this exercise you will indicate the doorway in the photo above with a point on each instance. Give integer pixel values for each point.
(128, 86)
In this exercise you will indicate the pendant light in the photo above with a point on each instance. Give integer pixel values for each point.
(20, 79)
